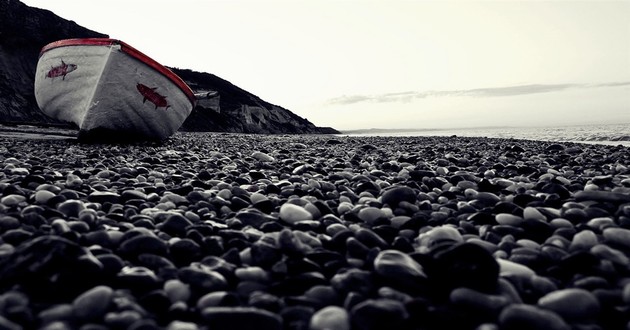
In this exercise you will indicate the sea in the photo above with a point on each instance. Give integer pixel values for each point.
(606, 134)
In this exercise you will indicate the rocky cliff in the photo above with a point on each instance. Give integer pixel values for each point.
(25, 30)
(236, 110)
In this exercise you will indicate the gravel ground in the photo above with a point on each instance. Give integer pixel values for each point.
(218, 231)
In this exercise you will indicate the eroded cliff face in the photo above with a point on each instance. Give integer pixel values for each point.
(25, 30)
(240, 111)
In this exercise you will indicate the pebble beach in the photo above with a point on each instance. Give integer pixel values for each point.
(230, 231)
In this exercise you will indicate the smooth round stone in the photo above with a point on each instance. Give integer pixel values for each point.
(290, 244)
(73, 181)
(521, 316)
(398, 221)
(103, 197)
(399, 269)
(488, 246)
(324, 294)
(201, 278)
(583, 241)
(43, 196)
(12, 200)
(560, 223)
(371, 215)
(292, 213)
(487, 198)
(329, 318)
(182, 325)
(264, 254)
(626, 293)
(60, 312)
(5, 323)
(602, 196)
(470, 299)
(440, 235)
(19, 171)
(130, 194)
(263, 157)
(606, 252)
(376, 314)
(572, 304)
(252, 273)
(353, 280)
(532, 213)
(344, 207)
(71, 207)
(258, 198)
(466, 265)
(240, 318)
(618, 236)
(93, 304)
(509, 268)
(9, 222)
(397, 194)
(177, 290)
(214, 299)
(601, 223)
(175, 225)
(370, 238)
(123, 320)
(143, 244)
(508, 219)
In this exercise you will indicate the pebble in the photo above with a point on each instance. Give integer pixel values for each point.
(573, 305)
(12, 200)
(263, 157)
(583, 240)
(602, 196)
(374, 314)
(489, 305)
(397, 194)
(508, 268)
(330, 317)
(465, 265)
(617, 236)
(293, 214)
(399, 269)
(177, 290)
(522, 316)
(93, 304)
(240, 318)
(143, 244)
(71, 207)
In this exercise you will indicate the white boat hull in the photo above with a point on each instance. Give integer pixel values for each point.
(107, 88)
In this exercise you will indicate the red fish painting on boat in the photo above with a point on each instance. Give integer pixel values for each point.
(61, 70)
(154, 97)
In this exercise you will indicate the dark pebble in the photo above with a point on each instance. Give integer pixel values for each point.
(240, 318)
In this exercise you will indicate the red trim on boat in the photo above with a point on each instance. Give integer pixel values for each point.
(130, 51)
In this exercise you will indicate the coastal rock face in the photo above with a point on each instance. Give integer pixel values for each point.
(25, 30)
(238, 111)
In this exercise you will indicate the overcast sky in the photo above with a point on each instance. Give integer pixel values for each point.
(392, 64)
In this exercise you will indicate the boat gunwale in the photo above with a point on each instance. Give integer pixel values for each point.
(127, 49)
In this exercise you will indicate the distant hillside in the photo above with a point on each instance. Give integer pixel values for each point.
(25, 30)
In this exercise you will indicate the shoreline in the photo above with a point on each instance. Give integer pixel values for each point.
(210, 230)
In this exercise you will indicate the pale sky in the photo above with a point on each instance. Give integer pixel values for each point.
(392, 64)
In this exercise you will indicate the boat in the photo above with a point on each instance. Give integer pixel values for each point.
(110, 90)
